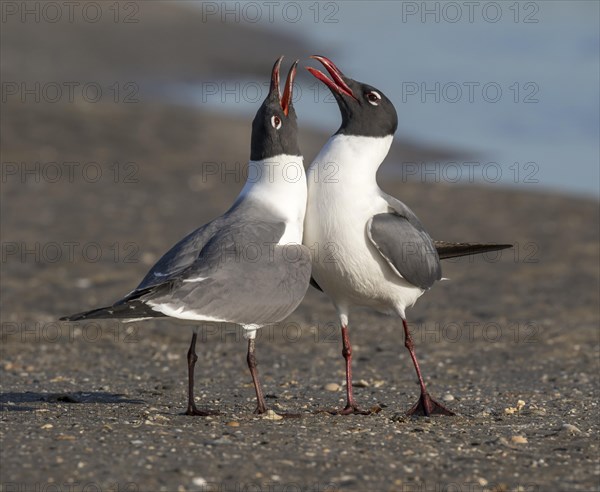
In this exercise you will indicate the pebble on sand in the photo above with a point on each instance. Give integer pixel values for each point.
(571, 429)
(271, 415)
(331, 387)
(517, 409)
(199, 482)
(518, 439)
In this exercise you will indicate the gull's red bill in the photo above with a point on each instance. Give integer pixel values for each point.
(337, 84)
(285, 100)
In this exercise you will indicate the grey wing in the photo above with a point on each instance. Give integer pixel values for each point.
(158, 280)
(181, 256)
(403, 242)
(242, 276)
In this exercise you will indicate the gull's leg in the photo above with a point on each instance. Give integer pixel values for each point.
(425, 405)
(351, 407)
(191, 360)
(260, 396)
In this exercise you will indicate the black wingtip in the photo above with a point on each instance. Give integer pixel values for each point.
(75, 317)
(454, 250)
(94, 313)
(314, 283)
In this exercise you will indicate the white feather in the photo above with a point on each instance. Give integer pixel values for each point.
(343, 196)
(280, 183)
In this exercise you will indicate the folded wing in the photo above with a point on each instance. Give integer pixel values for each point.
(405, 245)
(241, 275)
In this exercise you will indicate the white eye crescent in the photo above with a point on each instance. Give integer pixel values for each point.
(373, 97)
(276, 122)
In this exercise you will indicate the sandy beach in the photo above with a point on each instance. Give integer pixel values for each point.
(93, 194)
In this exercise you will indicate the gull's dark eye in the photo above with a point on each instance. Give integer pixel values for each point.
(373, 97)
(276, 122)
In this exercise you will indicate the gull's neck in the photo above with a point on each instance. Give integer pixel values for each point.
(278, 183)
(349, 159)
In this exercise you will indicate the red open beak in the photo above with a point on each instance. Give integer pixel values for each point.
(337, 84)
(285, 100)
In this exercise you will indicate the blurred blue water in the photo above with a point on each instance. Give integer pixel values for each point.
(522, 92)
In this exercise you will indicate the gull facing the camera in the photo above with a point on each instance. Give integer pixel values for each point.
(210, 276)
(382, 257)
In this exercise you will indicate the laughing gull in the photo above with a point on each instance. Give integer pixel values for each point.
(248, 266)
(380, 254)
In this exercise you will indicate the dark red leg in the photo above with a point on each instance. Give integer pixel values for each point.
(351, 406)
(261, 406)
(425, 405)
(260, 396)
(191, 359)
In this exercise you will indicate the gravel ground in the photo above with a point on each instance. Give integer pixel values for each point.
(510, 343)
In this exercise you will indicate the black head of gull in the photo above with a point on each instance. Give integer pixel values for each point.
(274, 128)
(366, 111)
